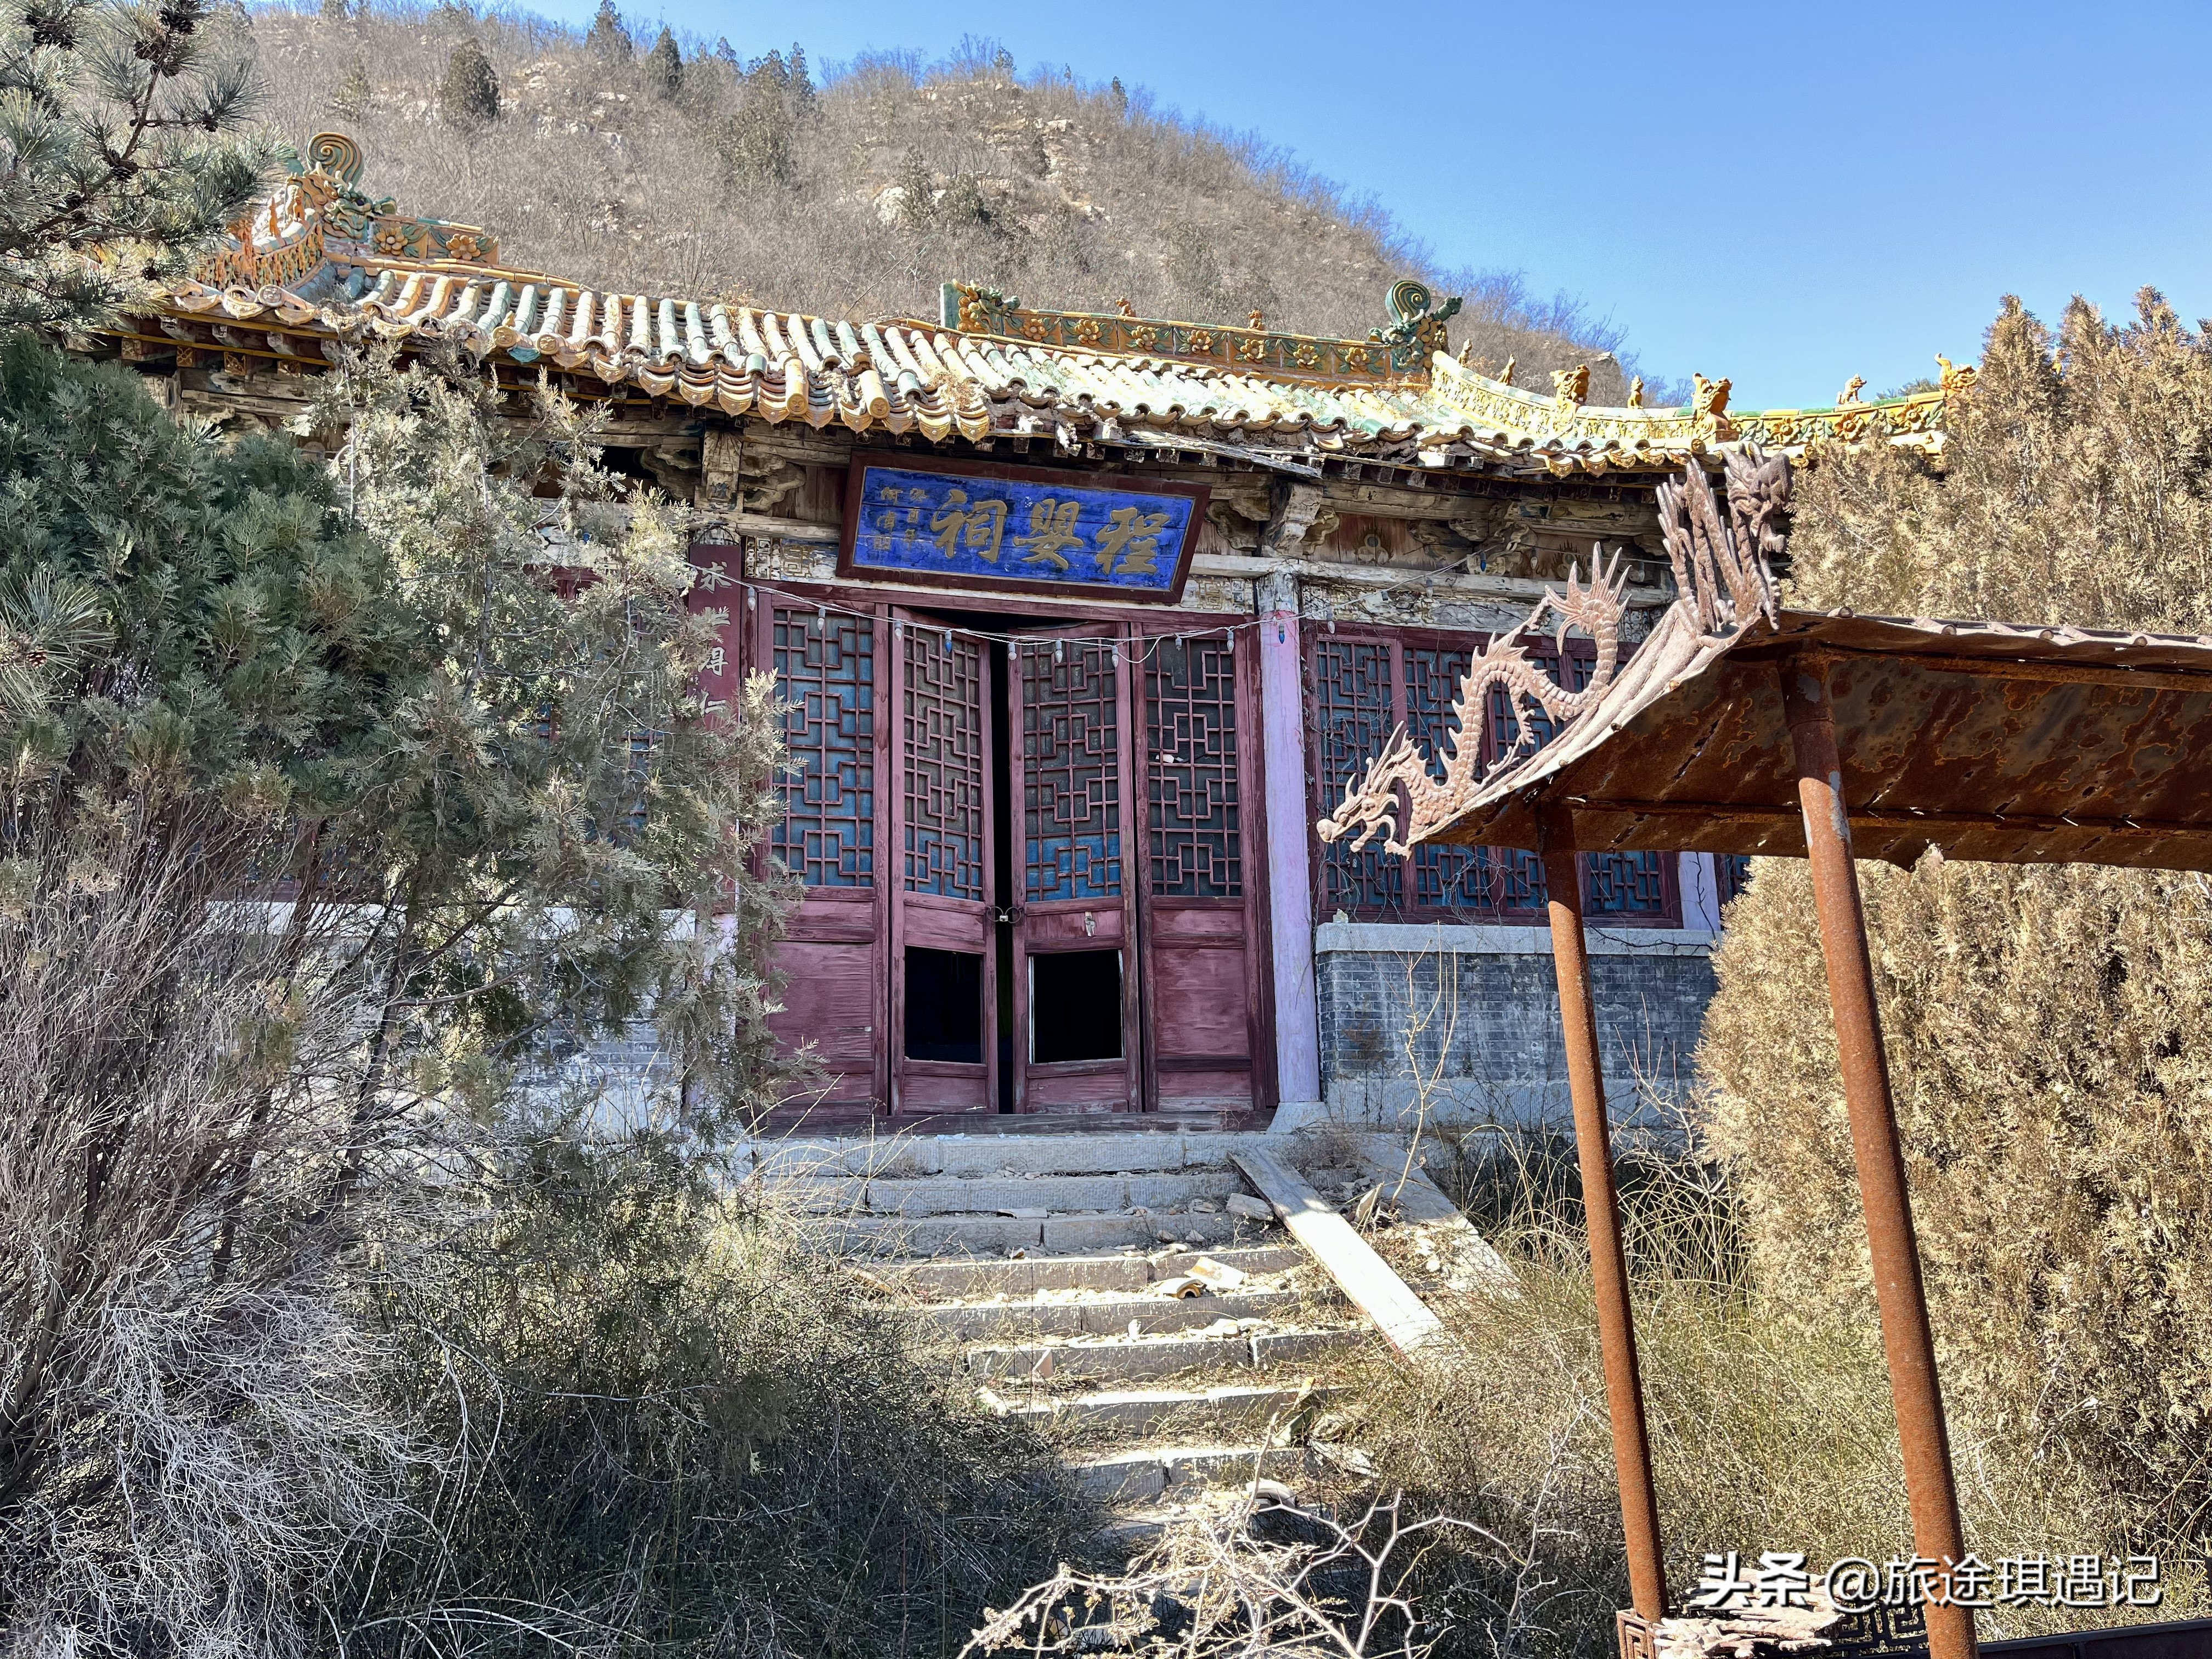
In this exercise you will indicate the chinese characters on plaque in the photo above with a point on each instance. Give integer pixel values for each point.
(1020, 527)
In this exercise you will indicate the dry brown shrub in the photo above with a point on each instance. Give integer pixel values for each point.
(2049, 1029)
(1768, 1409)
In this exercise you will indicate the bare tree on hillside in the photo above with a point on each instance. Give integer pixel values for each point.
(795, 195)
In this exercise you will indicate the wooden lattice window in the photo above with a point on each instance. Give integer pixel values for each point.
(1361, 683)
(1731, 873)
(825, 671)
(946, 678)
(1353, 711)
(1071, 770)
(1194, 818)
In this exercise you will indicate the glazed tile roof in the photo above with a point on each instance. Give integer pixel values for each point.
(321, 263)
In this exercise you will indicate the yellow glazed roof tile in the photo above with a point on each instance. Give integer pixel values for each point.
(322, 260)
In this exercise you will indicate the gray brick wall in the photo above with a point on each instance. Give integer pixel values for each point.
(1485, 1027)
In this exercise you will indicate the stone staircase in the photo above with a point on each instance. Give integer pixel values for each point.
(1122, 1292)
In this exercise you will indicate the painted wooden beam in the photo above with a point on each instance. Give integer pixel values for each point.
(1403, 1318)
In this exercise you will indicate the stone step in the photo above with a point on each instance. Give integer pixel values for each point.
(992, 1235)
(970, 1279)
(1151, 1359)
(1098, 1154)
(1105, 1315)
(1152, 1473)
(1061, 1194)
(1227, 1409)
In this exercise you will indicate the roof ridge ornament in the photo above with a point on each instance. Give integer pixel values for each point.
(1725, 583)
(1399, 351)
(319, 217)
(1417, 322)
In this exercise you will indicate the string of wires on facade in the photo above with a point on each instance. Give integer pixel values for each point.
(1061, 637)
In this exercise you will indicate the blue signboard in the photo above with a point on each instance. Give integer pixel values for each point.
(965, 525)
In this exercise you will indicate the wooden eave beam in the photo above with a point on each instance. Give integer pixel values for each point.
(2028, 670)
(1877, 817)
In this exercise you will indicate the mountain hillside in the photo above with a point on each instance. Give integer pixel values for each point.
(643, 165)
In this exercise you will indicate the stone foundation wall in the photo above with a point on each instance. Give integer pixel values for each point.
(1477, 1011)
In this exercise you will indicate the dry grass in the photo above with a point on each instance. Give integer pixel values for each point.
(1063, 192)
(678, 1428)
(1768, 1413)
(190, 1422)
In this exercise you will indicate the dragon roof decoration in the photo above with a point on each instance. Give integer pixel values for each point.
(319, 222)
(1725, 587)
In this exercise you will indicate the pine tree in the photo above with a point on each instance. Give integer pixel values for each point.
(607, 36)
(917, 204)
(759, 147)
(129, 131)
(664, 66)
(469, 95)
(354, 92)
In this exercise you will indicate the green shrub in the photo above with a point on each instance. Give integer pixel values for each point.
(469, 95)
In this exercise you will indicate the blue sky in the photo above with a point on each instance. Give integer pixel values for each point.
(1785, 194)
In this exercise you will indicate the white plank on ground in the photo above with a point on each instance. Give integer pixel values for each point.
(1420, 1201)
(1403, 1318)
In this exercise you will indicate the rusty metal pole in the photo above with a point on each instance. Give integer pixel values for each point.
(1906, 1341)
(1616, 1324)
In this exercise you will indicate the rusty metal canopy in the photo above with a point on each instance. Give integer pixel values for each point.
(1989, 741)
(2011, 745)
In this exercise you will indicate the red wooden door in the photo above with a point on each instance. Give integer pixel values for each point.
(944, 995)
(1076, 1037)
(1198, 698)
(826, 666)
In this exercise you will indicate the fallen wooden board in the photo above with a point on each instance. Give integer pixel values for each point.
(1403, 1317)
(1422, 1203)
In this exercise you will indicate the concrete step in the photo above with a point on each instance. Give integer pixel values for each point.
(1151, 1358)
(989, 1235)
(1228, 1410)
(1100, 1153)
(1061, 1194)
(1106, 1316)
(1152, 1473)
(948, 1280)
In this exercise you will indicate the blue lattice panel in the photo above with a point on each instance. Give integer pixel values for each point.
(825, 671)
(945, 761)
(1627, 884)
(1071, 771)
(1190, 739)
(1445, 878)
(1732, 872)
(1353, 717)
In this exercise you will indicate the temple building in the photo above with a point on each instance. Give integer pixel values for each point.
(1083, 621)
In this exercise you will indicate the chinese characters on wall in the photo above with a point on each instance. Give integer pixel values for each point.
(1012, 527)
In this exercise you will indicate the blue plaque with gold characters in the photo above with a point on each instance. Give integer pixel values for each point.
(969, 524)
